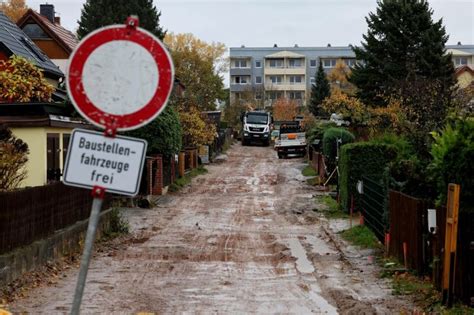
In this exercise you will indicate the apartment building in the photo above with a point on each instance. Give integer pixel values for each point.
(268, 73)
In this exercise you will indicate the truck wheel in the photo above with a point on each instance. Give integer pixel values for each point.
(279, 155)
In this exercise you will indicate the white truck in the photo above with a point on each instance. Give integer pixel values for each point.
(256, 126)
(291, 140)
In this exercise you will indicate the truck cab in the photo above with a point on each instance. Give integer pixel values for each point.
(256, 127)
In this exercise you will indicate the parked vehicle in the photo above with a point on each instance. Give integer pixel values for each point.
(256, 127)
(291, 140)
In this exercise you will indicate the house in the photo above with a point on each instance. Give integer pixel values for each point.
(13, 41)
(45, 30)
(464, 75)
(46, 129)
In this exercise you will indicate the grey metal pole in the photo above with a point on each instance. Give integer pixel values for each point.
(86, 256)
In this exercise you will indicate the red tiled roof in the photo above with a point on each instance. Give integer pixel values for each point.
(462, 69)
(66, 38)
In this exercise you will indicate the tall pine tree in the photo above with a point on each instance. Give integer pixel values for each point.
(319, 91)
(402, 45)
(98, 13)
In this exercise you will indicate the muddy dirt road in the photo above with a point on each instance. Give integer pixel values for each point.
(241, 239)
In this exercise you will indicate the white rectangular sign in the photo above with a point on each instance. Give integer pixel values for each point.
(115, 164)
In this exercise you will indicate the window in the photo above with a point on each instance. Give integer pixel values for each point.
(295, 95)
(34, 31)
(312, 63)
(258, 64)
(240, 63)
(258, 80)
(295, 63)
(350, 62)
(258, 95)
(460, 61)
(273, 95)
(241, 80)
(275, 79)
(296, 79)
(312, 80)
(329, 63)
(276, 63)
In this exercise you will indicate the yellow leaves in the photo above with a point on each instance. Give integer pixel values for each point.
(196, 130)
(337, 77)
(284, 109)
(14, 9)
(392, 118)
(22, 81)
(350, 107)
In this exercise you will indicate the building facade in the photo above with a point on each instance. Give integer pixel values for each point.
(265, 74)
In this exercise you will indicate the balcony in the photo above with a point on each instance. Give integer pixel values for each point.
(284, 71)
(269, 86)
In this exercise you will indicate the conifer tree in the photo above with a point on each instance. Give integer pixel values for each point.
(98, 13)
(319, 91)
(402, 45)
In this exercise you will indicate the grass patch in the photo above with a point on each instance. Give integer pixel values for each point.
(313, 181)
(361, 236)
(333, 210)
(309, 171)
(117, 226)
(186, 179)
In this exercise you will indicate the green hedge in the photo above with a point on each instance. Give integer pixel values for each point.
(357, 159)
(330, 138)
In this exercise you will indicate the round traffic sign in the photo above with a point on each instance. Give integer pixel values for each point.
(120, 77)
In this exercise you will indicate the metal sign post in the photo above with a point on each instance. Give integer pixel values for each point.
(119, 78)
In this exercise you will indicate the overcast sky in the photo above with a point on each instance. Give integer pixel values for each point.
(284, 22)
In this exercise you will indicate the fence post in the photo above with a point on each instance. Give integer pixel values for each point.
(158, 187)
(181, 163)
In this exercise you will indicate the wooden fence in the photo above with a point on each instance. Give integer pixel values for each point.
(30, 214)
(409, 225)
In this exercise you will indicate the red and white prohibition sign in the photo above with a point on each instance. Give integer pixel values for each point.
(120, 77)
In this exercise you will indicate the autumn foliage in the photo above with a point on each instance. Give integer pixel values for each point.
(13, 158)
(284, 109)
(14, 9)
(196, 131)
(22, 81)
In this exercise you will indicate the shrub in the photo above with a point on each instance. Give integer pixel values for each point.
(13, 159)
(317, 131)
(362, 158)
(453, 156)
(330, 139)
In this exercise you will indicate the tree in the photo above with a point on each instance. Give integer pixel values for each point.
(351, 108)
(22, 81)
(98, 13)
(196, 131)
(319, 91)
(338, 78)
(14, 9)
(163, 134)
(13, 158)
(284, 109)
(402, 44)
(199, 66)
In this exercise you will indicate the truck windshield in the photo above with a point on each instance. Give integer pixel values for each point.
(257, 119)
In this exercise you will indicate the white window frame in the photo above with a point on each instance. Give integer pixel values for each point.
(458, 61)
(312, 80)
(241, 80)
(280, 62)
(238, 63)
(295, 59)
(350, 62)
(278, 82)
(258, 77)
(294, 93)
(260, 62)
(292, 82)
(332, 63)
(315, 63)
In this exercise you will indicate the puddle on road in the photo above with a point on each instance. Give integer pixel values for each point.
(302, 262)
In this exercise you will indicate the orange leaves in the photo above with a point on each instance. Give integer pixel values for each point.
(14, 9)
(22, 81)
(285, 109)
(350, 107)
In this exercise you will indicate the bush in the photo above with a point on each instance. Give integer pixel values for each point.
(362, 158)
(330, 138)
(317, 131)
(453, 156)
(13, 159)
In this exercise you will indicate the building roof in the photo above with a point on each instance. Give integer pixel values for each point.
(457, 52)
(63, 37)
(14, 41)
(285, 54)
(464, 68)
